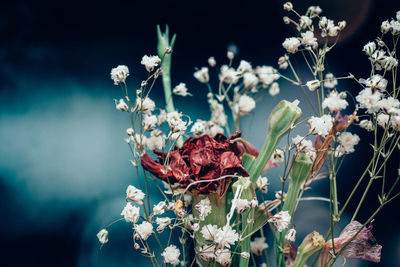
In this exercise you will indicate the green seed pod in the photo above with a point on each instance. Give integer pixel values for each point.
(283, 117)
(301, 168)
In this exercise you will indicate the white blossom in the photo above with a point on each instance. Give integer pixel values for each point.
(149, 122)
(262, 184)
(207, 252)
(202, 75)
(150, 62)
(131, 213)
(245, 255)
(376, 82)
(119, 74)
(267, 74)
(304, 145)
(395, 27)
(281, 220)
(304, 22)
(367, 125)
(130, 131)
(321, 125)
(230, 55)
(308, 39)
(385, 26)
(244, 66)
(135, 194)
(223, 256)
(226, 236)
(390, 105)
(278, 156)
(330, 81)
(291, 44)
(241, 204)
(146, 105)
(347, 142)
(258, 245)
(291, 235)
(283, 62)
(103, 236)
(245, 105)
(313, 85)
(204, 208)
(171, 255)
(383, 120)
(181, 90)
(389, 63)
(209, 231)
(250, 80)
(212, 62)
(159, 208)
(198, 128)
(228, 75)
(274, 89)
(121, 105)
(218, 115)
(288, 6)
(162, 222)
(369, 48)
(369, 100)
(328, 27)
(156, 140)
(335, 101)
(144, 230)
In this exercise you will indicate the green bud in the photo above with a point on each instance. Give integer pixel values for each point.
(301, 168)
(311, 243)
(283, 117)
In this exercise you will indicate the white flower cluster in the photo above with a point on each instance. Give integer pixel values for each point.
(281, 220)
(321, 125)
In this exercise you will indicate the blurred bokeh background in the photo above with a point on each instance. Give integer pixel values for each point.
(64, 166)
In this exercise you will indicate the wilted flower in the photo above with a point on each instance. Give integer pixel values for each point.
(121, 105)
(171, 255)
(200, 158)
(119, 74)
(103, 236)
(202, 75)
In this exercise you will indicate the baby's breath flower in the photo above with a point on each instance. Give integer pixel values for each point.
(369, 48)
(202, 75)
(171, 255)
(313, 85)
(274, 89)
(258, 245)
(385, 27)
(282, 62)
(304, 22)
(159, 208)
(267, 74)
(321, 125)
(347, 142)
(281, 220)
(369, 100)
(291, 44)
(144, 230)
(383, 120)
(150, 62)
(149, 122)
(367, 125)
(131, 213)
(230, 55)
(209, 231)
(244, 66)
(288, 6)
(245, 105)
(226, 236)
(207, 252)
(291, 235)
(121, 105)
(241, 204)
(198, 128)
(162, 222)
(335, 102)
(119, 74)
(146, 105)
(181, 90)
(103, 236)
(228, 75)
(204, 208)
(223, 256)
(262, 184)
(308, 39)
(250, 80)
(135, 194)
(212, 62)
(376, 82)
(330, 81)
(156, 140)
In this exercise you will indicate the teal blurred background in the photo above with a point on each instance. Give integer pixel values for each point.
(64, 166)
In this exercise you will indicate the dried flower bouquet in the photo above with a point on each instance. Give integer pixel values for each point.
(213, 177)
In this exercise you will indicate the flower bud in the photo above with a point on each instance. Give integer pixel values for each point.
(311, 243)
(283, 117)
(288, 6)
(313, 85)
(301, 168)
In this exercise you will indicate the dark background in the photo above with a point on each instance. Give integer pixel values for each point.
(63, 164)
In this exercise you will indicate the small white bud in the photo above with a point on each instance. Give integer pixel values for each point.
(288, 6)
(230, 55)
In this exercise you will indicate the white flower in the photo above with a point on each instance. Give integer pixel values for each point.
(250, 80)
(181, 90)
(230, 55)
(135, 194)
(367, 125)
(282, 62)
(226, 236)
(204, 208)
(278, 156)
(303, 145)
(291, 235)
(146, 106)
(162, 117)
(202, 75)
(245, 105)
(314, 10)
(207, 252)
(274, 89)
(281, 220)
(390, 105)
(335, 102)
(198, 128)
(313, 85)
(304, 22)
(291, 44)
(389, 63)
(144, 230)
(159, 208)
(228, 75)
(162, 222)
(139, 141)
(267, 74)
(288, 6)
(241, 204)
(308, 39)
(328, 27)
(244, 66)
(171, 255)
(330, 81)
(176, 124)
(258, 245)
(223, 256)
(383, 120)
(156, 140)
(130, 131)
(218, 115)
(212, 62)
(369, 48)
(150, 62)
(119, 74)
(131, 213)
(395, 27)
(342, 24)
(121, 105)
(209, 231)
(347, 142)
(262, 184)
(149, 121)
(369, 100)
(385, 26)
(103, 236)
(321, 125)
(398, 15)
(375, 82)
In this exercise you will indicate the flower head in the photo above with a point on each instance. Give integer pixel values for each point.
(171, 255)
(181, 90)
(150, 62)
(119, 74)
(335, 101)
(281, 220)
(131, 213)
(245, 105)
(202, 75)
(320, 125)
(258, 245)
(103, 236)
(144, 230)
(134, 194)
(291, 44)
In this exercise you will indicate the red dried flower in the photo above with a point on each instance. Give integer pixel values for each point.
(200, 158)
